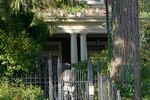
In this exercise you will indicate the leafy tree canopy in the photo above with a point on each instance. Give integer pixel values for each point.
(23, 31)
(144, 8)
(22, 35)
(145, 46)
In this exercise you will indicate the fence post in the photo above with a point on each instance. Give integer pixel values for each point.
(100, 87)
(50, 78)
(59, 80)
(118, 95)
(109, 86)
(90, 81)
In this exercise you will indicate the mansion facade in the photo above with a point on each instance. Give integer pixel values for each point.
(81, 34)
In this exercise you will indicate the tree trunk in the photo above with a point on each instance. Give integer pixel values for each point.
(126, 44)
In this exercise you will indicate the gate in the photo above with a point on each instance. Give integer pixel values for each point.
(75, 84)
(68, 83)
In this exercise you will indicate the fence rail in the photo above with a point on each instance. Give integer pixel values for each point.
(85, 86)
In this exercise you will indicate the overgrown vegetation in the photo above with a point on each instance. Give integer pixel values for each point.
(145, 60)
(22, 35)
(18, 91)
(126, 84)
(100, 57)
(24, 31)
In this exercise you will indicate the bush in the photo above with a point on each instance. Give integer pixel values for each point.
(11, 91)
(145, 72)
(145, 60)
(100, 57)
(22, 38)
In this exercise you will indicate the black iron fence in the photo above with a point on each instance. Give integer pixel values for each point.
(72, 83)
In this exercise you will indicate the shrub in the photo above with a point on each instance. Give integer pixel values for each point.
(98, 57)
(11, 91)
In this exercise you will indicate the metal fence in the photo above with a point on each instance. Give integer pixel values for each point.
(74, 85)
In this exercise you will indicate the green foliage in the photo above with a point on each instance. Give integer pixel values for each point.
(23, 31)
(145, 51)
(18, 52)
(10, 91)
(145, 62)
(144, 8)
(145, 72)
(38, 30)
(22, 35)
(99, 57)
(81, 65)
(145, 35)
(126, 84)
(37, 5)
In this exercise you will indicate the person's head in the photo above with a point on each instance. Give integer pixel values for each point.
(67, 66)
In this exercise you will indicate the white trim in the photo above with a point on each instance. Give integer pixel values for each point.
(99, 31)
(93, 1)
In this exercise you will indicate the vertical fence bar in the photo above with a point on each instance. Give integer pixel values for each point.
(80, 89)
(50, 78)
(45, 80)
(101, 87)
(26, 81)
(109, 86)
(90, 81)
(100, 97)
(118, 95)
(87, 91)
(35, 79)
(59, 79)
(85, 86)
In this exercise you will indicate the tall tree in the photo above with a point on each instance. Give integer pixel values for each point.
(126, 45)
(23, 30)
(21, 36)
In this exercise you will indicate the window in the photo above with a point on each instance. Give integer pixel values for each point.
(95, 46)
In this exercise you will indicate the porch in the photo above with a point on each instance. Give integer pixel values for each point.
(73, 48)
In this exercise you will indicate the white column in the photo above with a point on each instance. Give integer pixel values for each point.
(83, 47)
(74, 50)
